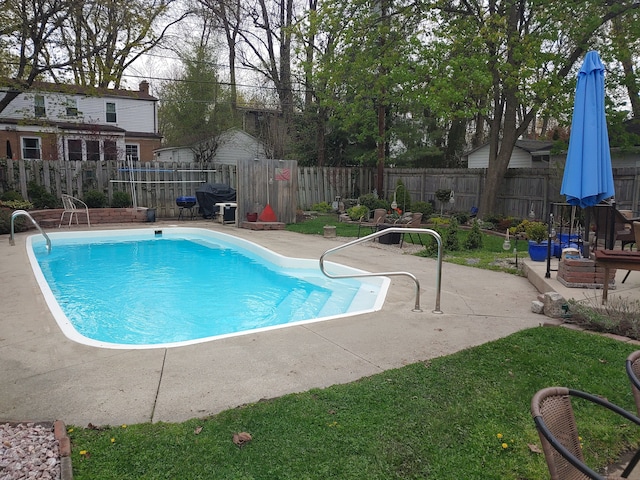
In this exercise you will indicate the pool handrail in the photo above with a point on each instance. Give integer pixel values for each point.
(375, 235)
(17, 213)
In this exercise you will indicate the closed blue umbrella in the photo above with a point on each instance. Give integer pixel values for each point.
(588, 178)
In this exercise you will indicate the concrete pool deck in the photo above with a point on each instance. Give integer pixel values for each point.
(44, 376)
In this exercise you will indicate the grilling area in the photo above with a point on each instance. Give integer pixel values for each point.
(262, 196)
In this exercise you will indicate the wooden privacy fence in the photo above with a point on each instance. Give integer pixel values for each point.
(324, 184)
(522, 191)
(158, 184)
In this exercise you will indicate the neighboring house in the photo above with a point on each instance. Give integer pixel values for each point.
(68, 122)
(232, 145)
(526, 154)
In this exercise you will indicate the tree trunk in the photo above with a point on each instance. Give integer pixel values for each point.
(455, 143)
(626, 59)
(320, 136)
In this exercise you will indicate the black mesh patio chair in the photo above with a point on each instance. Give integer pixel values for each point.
(556, 424)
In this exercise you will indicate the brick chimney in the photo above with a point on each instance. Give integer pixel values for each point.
(144, 87)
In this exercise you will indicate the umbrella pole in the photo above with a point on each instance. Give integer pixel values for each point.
(612, 229)
(548, 272)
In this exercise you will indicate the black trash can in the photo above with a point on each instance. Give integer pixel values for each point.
(151, 214)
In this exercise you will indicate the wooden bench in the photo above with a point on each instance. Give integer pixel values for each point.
(623, 259)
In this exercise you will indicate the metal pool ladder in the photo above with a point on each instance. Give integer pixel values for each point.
(24, 213)
(375, 235)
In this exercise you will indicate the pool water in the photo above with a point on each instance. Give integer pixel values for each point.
(146, 288)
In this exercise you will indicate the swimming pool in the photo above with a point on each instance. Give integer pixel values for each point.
(157, 288)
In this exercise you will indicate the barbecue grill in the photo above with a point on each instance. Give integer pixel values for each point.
(186, 203)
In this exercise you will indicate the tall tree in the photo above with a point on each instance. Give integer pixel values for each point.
(194, 107)
(527, 48)
(365, 62)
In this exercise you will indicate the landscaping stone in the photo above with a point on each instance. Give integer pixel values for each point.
(537, 306)
(553, 303)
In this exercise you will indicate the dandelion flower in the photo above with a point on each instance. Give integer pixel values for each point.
(69, 430)
(113, 440)
(499, 435)
(83, 452)
(504, 445)
(124, 425)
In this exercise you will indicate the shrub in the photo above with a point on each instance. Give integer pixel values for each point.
(426, 208)
(40, 197)
(17, 204)
(19, 223)
(619, 316)
(372, 202)
(440, 221)
(474, 239)
(451, 241)
(358, 212)
(121, 200)
(507, 223)
(443, 195)
(461, 217)
(95, 199)
(322, 207)
(536, 231)
(11, 196)
(493, 218)
(431, 245)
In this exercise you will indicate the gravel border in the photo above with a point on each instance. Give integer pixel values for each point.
(35, 450)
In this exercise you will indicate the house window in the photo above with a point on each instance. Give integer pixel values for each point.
(31, 148)
(111, 112)
(72, 107)
(93, 150)
(132, 151)
(39, 108)
(110, 150)
(74, 149)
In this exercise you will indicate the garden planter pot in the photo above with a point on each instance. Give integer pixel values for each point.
(538, 251)
(252, 217)
(389, 238)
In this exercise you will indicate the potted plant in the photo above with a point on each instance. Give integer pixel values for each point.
(537, 233)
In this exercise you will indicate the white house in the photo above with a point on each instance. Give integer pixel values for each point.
(232, 145)
(526, 154)
(69, 122)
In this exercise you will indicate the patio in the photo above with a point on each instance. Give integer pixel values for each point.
(48, 377)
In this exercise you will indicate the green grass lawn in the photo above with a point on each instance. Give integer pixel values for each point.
(437, 419)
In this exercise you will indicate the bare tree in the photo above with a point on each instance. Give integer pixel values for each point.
(229, 18)
(270, 43)
(29, 33)
(120, 31)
